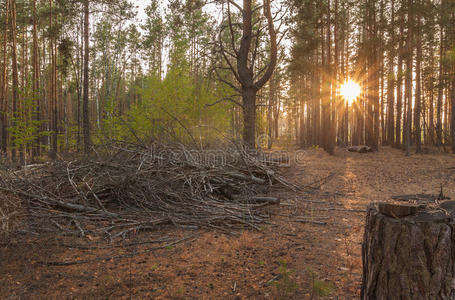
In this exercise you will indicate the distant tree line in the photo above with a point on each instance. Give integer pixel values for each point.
(402, 53)
(75, 73)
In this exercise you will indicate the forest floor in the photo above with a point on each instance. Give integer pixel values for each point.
(286, 260)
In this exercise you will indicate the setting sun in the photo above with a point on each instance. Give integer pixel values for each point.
(350, 90)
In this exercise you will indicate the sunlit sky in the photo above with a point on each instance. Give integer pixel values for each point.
(142, 4)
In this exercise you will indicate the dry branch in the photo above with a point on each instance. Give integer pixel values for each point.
(129, 188)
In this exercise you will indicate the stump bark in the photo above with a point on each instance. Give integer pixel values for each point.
(408, 252)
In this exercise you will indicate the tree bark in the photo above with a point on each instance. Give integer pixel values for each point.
(408, 252)
(399, 84)
(408, 85)
(53, 88)
(431, 101)
(4, 84)
(453, 109)
(85, 104)
(440, 85)
(327, 126)
(391, 83)
(418, 89)
(452, 90)
(15, 86)
(36, 72)
(249, 117)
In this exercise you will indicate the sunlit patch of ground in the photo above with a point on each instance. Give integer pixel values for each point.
(288, 260)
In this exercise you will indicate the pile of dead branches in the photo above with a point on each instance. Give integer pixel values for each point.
(128, 188)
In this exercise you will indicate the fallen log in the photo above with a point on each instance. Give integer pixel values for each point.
(408, 252)
(268, 200)
(421, 198)
(246, 178)
(360, 149)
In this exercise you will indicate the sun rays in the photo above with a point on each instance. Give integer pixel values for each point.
(350, 90)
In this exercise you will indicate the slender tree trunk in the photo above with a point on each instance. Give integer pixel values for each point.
(418, 96)
(271, 104)
(36, 84)
(86, 116)
(398, 133)
(446, 131)
(381, 50)
(452, 96)
(53, 87)
(345, 73)
(371, 70)
(326, 100)
(431, 100)
(15, 73)
(335, 98)
(452, 89)
(4, 84)
(390, 84)
(440, 84)
(375, 89)
(316, 104)
(409, 56)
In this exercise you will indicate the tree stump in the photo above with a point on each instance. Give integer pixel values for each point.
(408, 252)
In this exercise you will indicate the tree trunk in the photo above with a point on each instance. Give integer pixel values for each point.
(85, 113)
(316, 82)
(408, 85)
(390, 104)
(440, 85)
(431, 100)
(327, 138)
(53, 88)
(453, 109)
(452, 91)
(36, 72)
(271, 104)
(4, 84)
(418, 89)
(399, 84)
(14, 68)
(408, 252)
(249, 117)
(391, 83)
(246, 57)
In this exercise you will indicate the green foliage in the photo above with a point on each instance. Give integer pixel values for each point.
(319, 288)
(68, 139)
(286, 285)
(452, 55)
(23, 132)
(26, 129)
(175, 106)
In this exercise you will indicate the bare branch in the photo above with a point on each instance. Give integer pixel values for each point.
(229, 98)
(236, 5)
(273, 46)
(226, 82)
(231, 67)
(231, 30)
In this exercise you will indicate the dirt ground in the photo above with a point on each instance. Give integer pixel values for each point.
(287, 259)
